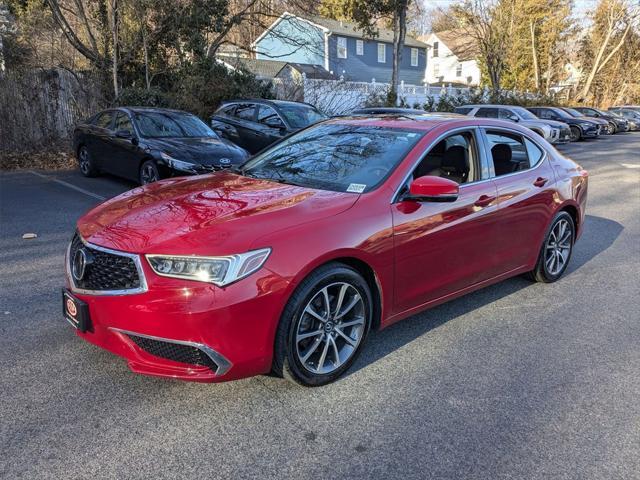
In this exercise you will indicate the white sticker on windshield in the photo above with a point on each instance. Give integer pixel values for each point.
(356, 187)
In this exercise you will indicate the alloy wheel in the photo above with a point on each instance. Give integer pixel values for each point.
(148, 174)
(558, 247)
(85, 165)
(575, 134)
(611, 129)
(330, 328)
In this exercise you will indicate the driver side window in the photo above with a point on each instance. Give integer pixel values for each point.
(454, 158)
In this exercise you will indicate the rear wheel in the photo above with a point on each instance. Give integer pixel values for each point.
(575, 134)
(324, 326)
(149, 173)
(87, 167)
(556, 250)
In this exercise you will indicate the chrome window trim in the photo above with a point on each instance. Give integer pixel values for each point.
(220, 360)
(131, 291)
(482, 165)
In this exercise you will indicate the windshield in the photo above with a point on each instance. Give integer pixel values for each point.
(337, 157)
(161, 125)
(300, 116)
(574, 113)
(524, 113)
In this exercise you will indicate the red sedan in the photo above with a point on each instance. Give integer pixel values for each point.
(287, 263)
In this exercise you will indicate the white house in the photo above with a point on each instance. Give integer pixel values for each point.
(451, 58)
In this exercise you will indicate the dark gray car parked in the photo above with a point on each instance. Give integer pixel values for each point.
(256, 124)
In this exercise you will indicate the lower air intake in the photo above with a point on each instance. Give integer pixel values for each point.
(175, 351)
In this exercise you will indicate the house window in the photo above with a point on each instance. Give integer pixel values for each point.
(459, 70)
(342, 47)
(414, 57)
(436, 70)
(359, 47)
(382, 53)
(436, 47)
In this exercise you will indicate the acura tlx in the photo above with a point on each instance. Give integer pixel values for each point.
(285, 264)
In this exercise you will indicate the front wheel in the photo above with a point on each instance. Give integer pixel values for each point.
(575, 134)
(149, 173)
(324, 326)
(611, 129)
(556, 250)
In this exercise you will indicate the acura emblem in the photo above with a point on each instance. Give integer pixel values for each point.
(80, 261)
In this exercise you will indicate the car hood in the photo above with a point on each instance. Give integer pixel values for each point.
(533, 123)
(597, 121)
(218, 214)
(202, 150)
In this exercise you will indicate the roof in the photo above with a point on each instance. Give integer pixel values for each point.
(459, 43)
(260, 68)
(422, 122)
(265, 101)
(312, 71)
(339, 27)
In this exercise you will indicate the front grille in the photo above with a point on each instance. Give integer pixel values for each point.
(104, 271)
(174, 351)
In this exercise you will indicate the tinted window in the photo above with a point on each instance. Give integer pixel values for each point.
(505, 114)
(269, 117)
(508, 152)
(160, 124)
(104, 120)
(245, 111)
(338, 157)
(228, 110)
(487, 113)
(453, 158)
(123, 123)
(300, 116)
(462, 110)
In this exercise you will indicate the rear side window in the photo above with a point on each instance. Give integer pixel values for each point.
(462, 110)
(245, 111)
(228, 110)
(123, 123)
(534, 153)
(487, 113)
(509, 152)
(104, 120)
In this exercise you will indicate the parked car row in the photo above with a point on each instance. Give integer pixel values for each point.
(148, 144)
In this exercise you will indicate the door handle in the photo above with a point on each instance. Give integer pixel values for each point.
(540, 182)
(484, 201)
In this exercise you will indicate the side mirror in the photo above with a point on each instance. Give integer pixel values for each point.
(432, 189)
(514, 118)
(123, 134)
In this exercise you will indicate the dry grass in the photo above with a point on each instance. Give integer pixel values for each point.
(50, 159)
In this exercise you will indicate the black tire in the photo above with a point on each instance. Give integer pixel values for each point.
(576, 134)
(612, 129)
(287, 361)
(149, 173)
(85, 162)
(543, 272)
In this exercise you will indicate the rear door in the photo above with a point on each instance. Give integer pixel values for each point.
(244, 120)
(126, 156)
(442, 248)
(525, 184)
(100, 145)
(269, 126)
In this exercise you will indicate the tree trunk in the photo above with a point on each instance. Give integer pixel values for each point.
(399, 34)
(114, 58)
(145, 49)
(534, 54)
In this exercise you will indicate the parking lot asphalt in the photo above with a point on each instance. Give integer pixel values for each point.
(518, 380)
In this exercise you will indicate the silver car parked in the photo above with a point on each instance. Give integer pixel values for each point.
(552, 131)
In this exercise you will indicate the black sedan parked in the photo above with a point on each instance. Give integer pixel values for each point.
(581, 128)
(616, 123)
(147, 144)
(256, 124)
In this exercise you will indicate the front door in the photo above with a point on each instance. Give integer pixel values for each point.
(441, 248)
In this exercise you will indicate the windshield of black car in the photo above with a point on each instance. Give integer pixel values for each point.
(574, 113)
(300, 116)
(524, 113)
(165, 125)
(337, 157)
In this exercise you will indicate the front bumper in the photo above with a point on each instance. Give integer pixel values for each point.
(562, 136)
(190, 330)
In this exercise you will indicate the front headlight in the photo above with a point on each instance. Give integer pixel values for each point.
(586, 125)
(220, 271)
(177, 164)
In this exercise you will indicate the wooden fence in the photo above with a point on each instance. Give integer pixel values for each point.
(39, 108)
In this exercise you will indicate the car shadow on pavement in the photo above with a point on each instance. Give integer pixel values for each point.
(598, 235)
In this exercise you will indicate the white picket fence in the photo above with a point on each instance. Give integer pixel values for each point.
(336, 97)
